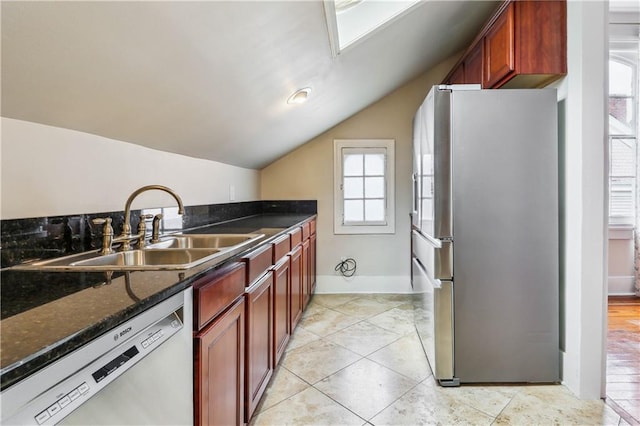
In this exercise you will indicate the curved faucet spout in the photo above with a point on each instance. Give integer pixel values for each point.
(126, 227)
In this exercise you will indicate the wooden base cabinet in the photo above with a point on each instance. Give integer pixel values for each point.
(295, 300)
(259, 359)
(219, 369)
(281, 289)
(312, 264)
(219, 346)
(306, 274)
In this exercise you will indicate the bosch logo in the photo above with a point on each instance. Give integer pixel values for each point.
(125, 331)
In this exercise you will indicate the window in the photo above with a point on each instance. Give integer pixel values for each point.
(363, 186)
(623, 132)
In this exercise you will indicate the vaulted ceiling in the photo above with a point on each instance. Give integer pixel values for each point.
(210, 79)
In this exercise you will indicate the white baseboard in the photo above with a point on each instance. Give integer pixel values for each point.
(331, 284)
(621, 286)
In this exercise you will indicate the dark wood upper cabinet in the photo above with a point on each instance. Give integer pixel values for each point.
(523, 45)
(499, 48)
(457, 75)
(473, 65)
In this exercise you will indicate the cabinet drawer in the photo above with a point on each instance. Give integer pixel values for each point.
(295, 236)
(213, 293)
(305, 231)
(281, 246)
(312, 227)
(257, 262)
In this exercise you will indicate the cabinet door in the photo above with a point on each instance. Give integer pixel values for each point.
(259, 364)
(473, 65)
(458, 76)
(306, 274)
(499, 45)
(281, 289)
(312, 264)
(295, 296)
(219, 369)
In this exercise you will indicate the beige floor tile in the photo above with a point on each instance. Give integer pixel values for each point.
(327, 322)
(313, 309)
(362, 307)
(392, 299)
(555, 405)
(283, 385)
(301, 337)
(309, 407)
(491, 400)
(398, 319)
(365, 388)
(404, 356)
(363, 338)
(333, 300)
(425, 405)
(317, 360)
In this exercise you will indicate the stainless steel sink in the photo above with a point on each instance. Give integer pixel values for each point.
(199, 241)
(153, 259)
(173, 252)
(131, 260)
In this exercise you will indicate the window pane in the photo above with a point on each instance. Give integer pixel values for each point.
(620, 78)
(374, 164)
(374, 210)
(353, 187)
(621, 201)
(353, 211)
(353, 165)
(621, 120)
(374, 187)
(622, 157)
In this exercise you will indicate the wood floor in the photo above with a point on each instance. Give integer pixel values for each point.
(623, 357)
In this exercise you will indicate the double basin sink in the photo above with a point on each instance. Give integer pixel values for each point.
(173, 252)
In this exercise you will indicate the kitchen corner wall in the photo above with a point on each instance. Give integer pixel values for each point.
(583, 140)
(383, 261)
(50, 171)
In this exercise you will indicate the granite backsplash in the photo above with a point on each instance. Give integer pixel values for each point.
(48, 237)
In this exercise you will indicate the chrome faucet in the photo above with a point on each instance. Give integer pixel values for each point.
(126, 236)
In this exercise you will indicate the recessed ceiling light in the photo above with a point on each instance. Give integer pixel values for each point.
(300, 96)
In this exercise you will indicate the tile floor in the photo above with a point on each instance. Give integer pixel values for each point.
(356, 359)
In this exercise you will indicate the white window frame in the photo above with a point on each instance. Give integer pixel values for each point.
(388, 148)
(613, 218)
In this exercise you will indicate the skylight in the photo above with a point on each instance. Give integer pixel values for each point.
(352, 20)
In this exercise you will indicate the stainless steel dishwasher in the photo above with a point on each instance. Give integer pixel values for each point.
(140, 372)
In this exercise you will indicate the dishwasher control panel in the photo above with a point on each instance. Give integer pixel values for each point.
(56, 403)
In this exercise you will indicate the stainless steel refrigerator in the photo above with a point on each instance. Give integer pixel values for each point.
(485, 261)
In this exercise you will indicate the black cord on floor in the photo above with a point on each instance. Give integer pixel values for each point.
(346, 267)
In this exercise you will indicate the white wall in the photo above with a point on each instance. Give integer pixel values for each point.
(621, 279)
(307, 173)
(584, 173)
(48, 171)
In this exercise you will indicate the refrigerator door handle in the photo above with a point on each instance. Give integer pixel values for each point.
(436, 283)
(433, 241)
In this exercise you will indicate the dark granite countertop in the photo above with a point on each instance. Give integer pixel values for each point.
(46, 315)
